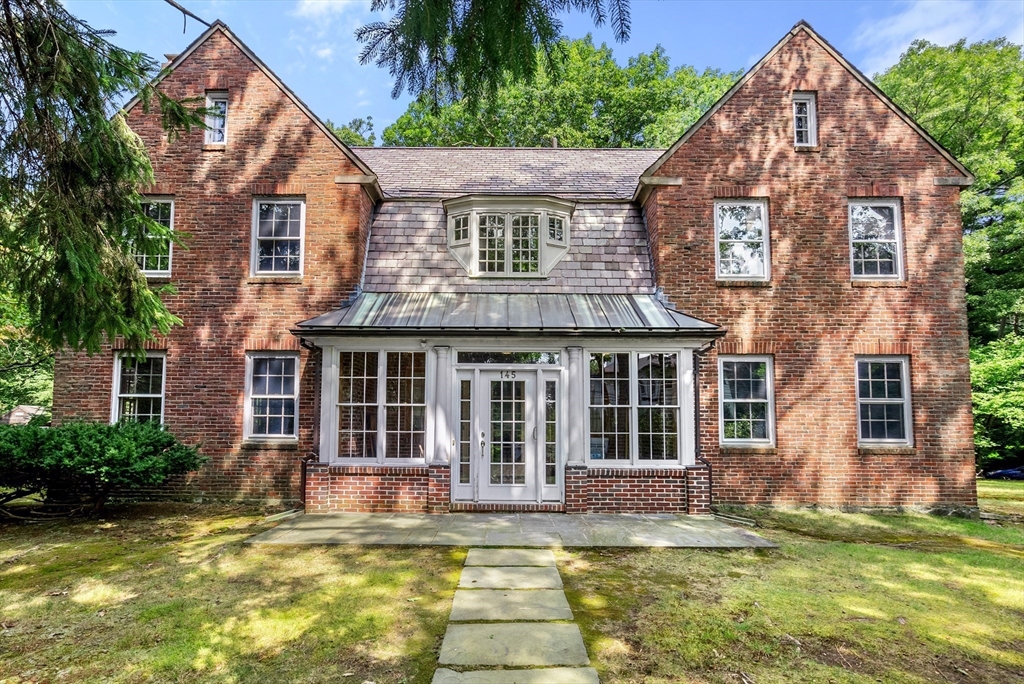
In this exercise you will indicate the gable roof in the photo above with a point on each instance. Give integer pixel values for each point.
(803, 26)
(608, 174)
(218, 25)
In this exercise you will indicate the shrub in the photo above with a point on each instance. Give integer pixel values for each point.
(86, 462)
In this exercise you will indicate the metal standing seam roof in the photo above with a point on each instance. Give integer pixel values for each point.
(570, 173)
(488, 314)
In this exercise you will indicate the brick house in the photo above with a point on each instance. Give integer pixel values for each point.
(770, 311)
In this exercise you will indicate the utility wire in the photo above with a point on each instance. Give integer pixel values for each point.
(186, 14)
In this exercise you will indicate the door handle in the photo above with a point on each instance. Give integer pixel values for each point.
(534, 433)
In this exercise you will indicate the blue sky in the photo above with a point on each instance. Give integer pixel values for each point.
(310, 43)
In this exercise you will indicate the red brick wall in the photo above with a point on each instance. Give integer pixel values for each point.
(811, 317)
(368, 489)
(273, 148)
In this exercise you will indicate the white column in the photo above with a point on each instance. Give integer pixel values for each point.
(442, 404)
(576, 396)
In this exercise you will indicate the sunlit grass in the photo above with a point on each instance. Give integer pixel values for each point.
(172, 594)
(1003, 497)
(846, 598)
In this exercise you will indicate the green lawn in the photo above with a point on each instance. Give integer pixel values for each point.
(168, 593)
(1004, 497)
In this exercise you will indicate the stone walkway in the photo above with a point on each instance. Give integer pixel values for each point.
(509, 614)
(542, 530)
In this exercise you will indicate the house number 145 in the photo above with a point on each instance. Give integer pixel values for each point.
(509, 375)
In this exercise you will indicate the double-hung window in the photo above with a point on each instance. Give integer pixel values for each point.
(742, 240)
(272, 396)
(634, 408)
(216, 118)
(746, 398)
(154, 258)
(883, 400)
(139, 388)
(805, 120)
(278, 227)
(875, 240)
(382, 406)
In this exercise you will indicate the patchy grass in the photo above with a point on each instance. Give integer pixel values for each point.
(1004, 497)
(170, 593)
(847, 598)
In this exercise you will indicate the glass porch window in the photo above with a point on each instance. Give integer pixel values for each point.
(357, 405)
(609, 407)
(405, 407)
(658, 410)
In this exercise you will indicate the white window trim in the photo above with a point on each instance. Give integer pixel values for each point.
(254, 252)
(115, 394)
(542, 207)
(770, 384)
(766, 240)
(812, 118)
(908, 412)
(170, 246)
(247, 433)
(898, 225)
(211, 97)
(683, 365)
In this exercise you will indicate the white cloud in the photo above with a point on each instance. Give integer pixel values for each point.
(323, 8)
(881, 41)
(325, 52)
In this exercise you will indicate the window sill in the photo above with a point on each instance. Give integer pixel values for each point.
(743, 283)
(273, 280)
(878, 283)
(806, 148)
(161, 278)
(751, 449)
(883, 450)
(214, 147)
(270, 445)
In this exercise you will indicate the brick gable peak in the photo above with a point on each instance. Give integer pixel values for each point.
(801, 26)
(220, 26)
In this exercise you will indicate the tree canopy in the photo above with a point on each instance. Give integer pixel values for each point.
(70, 177)
(593, 102)
(444, 50)
(971, 99)
(357, 132)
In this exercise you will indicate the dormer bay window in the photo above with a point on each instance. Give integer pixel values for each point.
(508, 237)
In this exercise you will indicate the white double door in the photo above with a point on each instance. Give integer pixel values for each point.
(508, 436)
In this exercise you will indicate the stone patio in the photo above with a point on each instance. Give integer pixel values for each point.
(512, 529)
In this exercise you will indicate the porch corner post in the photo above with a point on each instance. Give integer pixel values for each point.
(439, 490)
(576, 466)
(442, 402)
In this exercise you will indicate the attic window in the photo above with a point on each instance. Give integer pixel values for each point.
(805, 120)
(216, 118)
(508, 237)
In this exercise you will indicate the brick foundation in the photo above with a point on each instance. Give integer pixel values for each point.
(367, 489)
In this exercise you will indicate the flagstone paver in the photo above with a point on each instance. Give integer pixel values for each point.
(515, 644)
(496, 605)
(507, 557)
(478, 577)
(547, 675)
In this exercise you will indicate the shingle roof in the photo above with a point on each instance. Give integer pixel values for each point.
(408, 252)
(440, 172)
(485, 314)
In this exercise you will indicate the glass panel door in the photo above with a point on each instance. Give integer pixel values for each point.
(509, 439)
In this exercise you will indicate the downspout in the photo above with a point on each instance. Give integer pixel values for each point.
(697, 355)
(315, 454)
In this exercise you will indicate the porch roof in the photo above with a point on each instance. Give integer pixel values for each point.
(417, 313)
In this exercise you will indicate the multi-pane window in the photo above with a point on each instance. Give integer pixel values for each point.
(216, 117)
(357, 404)
(273, 396)
(405, 405)
(742, 238)
(609, 407)
(465, 429)
(277, 236)
(550, 433)
(154, 258)
(883, 400)
(556, 229)
(658, 406)
(746, 395)
(460, 229)
(139, 388)
(492, 243)
(805, 124)
(875, 239)
(525, 243)
(508, 432)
